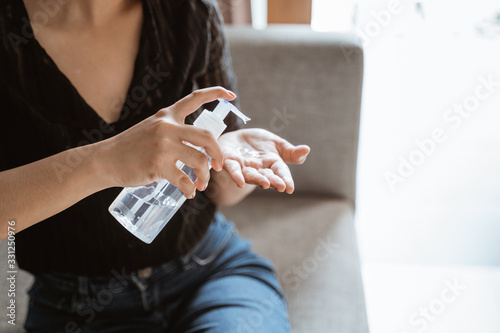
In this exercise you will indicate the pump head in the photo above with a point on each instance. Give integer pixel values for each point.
(214, 121)
(223, 109)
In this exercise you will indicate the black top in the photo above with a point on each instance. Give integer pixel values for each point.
(182, 47)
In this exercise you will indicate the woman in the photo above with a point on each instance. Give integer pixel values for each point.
(81, 85)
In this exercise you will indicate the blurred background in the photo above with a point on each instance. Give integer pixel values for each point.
(428, 194)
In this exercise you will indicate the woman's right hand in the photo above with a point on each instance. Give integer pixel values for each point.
(150, 150)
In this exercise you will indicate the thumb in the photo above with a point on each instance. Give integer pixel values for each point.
(293, 154)
(299, 154)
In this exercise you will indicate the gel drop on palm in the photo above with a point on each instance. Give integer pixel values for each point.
(145, 210)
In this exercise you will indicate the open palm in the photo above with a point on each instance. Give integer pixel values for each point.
(256, 156)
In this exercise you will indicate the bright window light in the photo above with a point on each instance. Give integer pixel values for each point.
(330, 15)
(259, 14)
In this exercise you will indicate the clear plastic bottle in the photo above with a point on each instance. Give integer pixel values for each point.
(145, 210)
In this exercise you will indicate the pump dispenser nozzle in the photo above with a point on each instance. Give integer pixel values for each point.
(223, 109)
(214, 121)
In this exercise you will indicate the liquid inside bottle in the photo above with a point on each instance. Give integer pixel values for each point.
(145, 210)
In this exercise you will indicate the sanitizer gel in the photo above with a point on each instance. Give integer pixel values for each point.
(145, 210)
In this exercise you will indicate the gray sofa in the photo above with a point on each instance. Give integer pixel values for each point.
(306, 87)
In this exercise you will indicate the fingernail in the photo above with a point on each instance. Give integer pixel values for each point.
(204, 187)
(232, 93)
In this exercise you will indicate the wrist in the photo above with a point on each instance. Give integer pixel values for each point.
(96, 168)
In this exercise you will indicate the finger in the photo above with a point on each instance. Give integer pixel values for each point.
(255, 163)
(274, 181)
(252, 176)
(281, 170)
(198, 162)
(180, 180)
(197, 98)
(234, 170)
(205, 139)
(292, 154)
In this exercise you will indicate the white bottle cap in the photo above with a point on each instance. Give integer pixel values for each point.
(214, 121)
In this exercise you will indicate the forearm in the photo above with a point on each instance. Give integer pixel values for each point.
(36, 191)
(223, 191)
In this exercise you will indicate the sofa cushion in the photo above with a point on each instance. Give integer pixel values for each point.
(312, 243)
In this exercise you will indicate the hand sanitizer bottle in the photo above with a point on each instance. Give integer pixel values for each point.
(145, 210)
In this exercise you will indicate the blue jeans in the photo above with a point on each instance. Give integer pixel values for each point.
(220, 286)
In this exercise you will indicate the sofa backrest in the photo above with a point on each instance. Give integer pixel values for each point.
(306, 87)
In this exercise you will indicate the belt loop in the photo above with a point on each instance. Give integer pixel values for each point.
(83, 286)
(142, 286)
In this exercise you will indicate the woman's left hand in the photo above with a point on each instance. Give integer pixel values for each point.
(256, 156)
